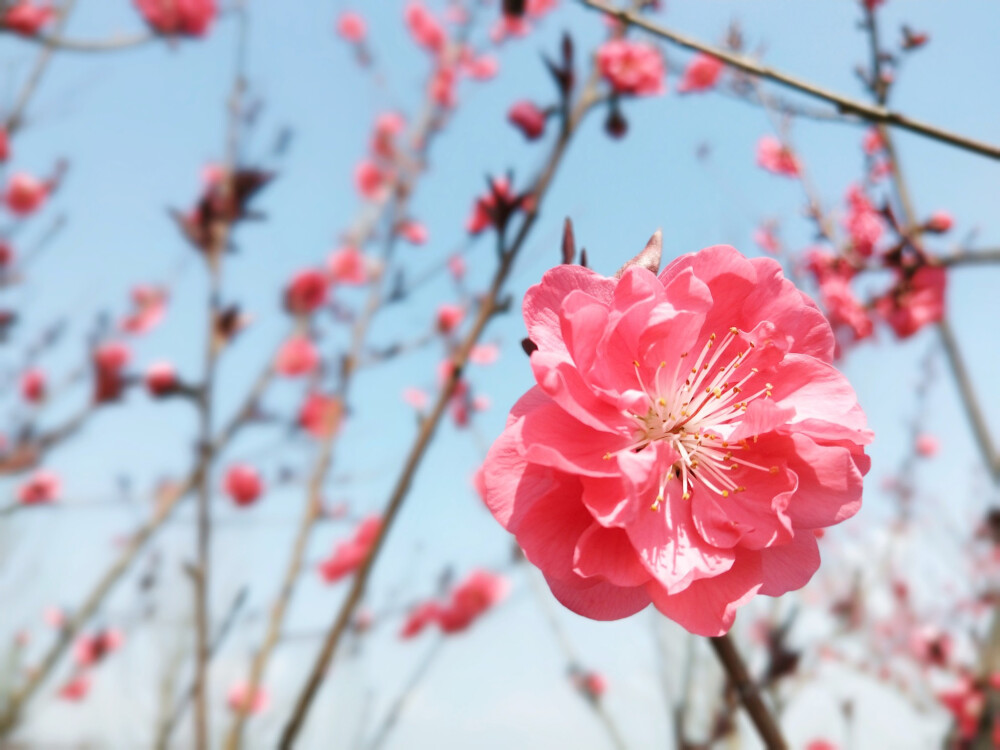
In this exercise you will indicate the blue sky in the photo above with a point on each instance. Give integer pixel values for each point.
(138, 126)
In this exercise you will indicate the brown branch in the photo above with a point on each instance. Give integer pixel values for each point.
(767, 727)
(873, 113)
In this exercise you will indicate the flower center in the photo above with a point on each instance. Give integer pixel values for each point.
(695, 410)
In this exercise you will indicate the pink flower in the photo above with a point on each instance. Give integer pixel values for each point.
(965, 701)
(347, 266)
(54, 617)
(25, 194)
(592, 684)
(843, 308)
(40, 488)
(914, 302)
(76, 689)
(872, 143)
(4, 144)
(456, 265)
(495, 207)
(470, 599)
(484, 354)
(687, 435)
(527, 117)
(413, 232)
(349, 554)
(416, 398)
(320, 415)
(631, 67)
(25, 18)
(351, 26)
(306, 292)
(939, 222)
(178, 17)
(927, 445)
(821, 745)
(442, 86)
(33, 386)
(480, 68)
(243, 484)
(238, 699)
(538, 8)
(297, 356)
(419, 618)
(773, 156)
(161, 379)
(387, 127)
(701, 74)
(449, 317)
(424, 28)
(767, 239)
(150, 306)
(91, 649)
(931, 646)
(110, 361)
(863, 222)
(371, 180)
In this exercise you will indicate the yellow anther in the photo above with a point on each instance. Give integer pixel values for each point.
(686, 496)
(725, 493)
(607, 456)
(773, 470)
(661, 401)
(734, 330)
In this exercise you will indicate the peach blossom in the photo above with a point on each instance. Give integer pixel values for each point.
(243, 484)
(915, 301)
(25, 194)
(76, 689)
(306, 292)
(33, 386)
(23, 17)
(527, 117)
(351, 26)
(632, 67)
(686, 436)
(40, 488)
(161, 379)
(775, 157)
(237, 699)
(348, 266)
(927, 445)
(91, 649)
(149, 308)
(351, 553)
(424, 28)
(178, 17)
(297, 356)
(701, 74)
(449, 317)
(320, 415)
(413, 232)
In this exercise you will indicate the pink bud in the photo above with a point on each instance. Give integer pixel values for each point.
(527, 118)
(243, 484)
(939, 222)
(161, 379)
(351, 26)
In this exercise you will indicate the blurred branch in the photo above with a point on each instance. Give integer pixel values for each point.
(113, 44)
(844, 104)
(396, 710)
(729, 657)
(492, 303)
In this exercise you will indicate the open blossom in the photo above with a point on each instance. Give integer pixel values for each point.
(41, 487)
(349, 554)
(965, 701)
(631, 67)
(238, 699)
(701, 74)
(425, 29)
(914, 301)
(297, 356)
(25, 194)
(863, 222)
(243, 484)
(90, 649)
(178, 17)
(776, 158)
(306, 292)
(844, 309)
(33, 386)
(687, 435)
(24, 17)
(529, 118)
(351, 26)
(471, 598)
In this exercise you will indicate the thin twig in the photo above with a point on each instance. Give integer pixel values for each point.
(873, 113)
